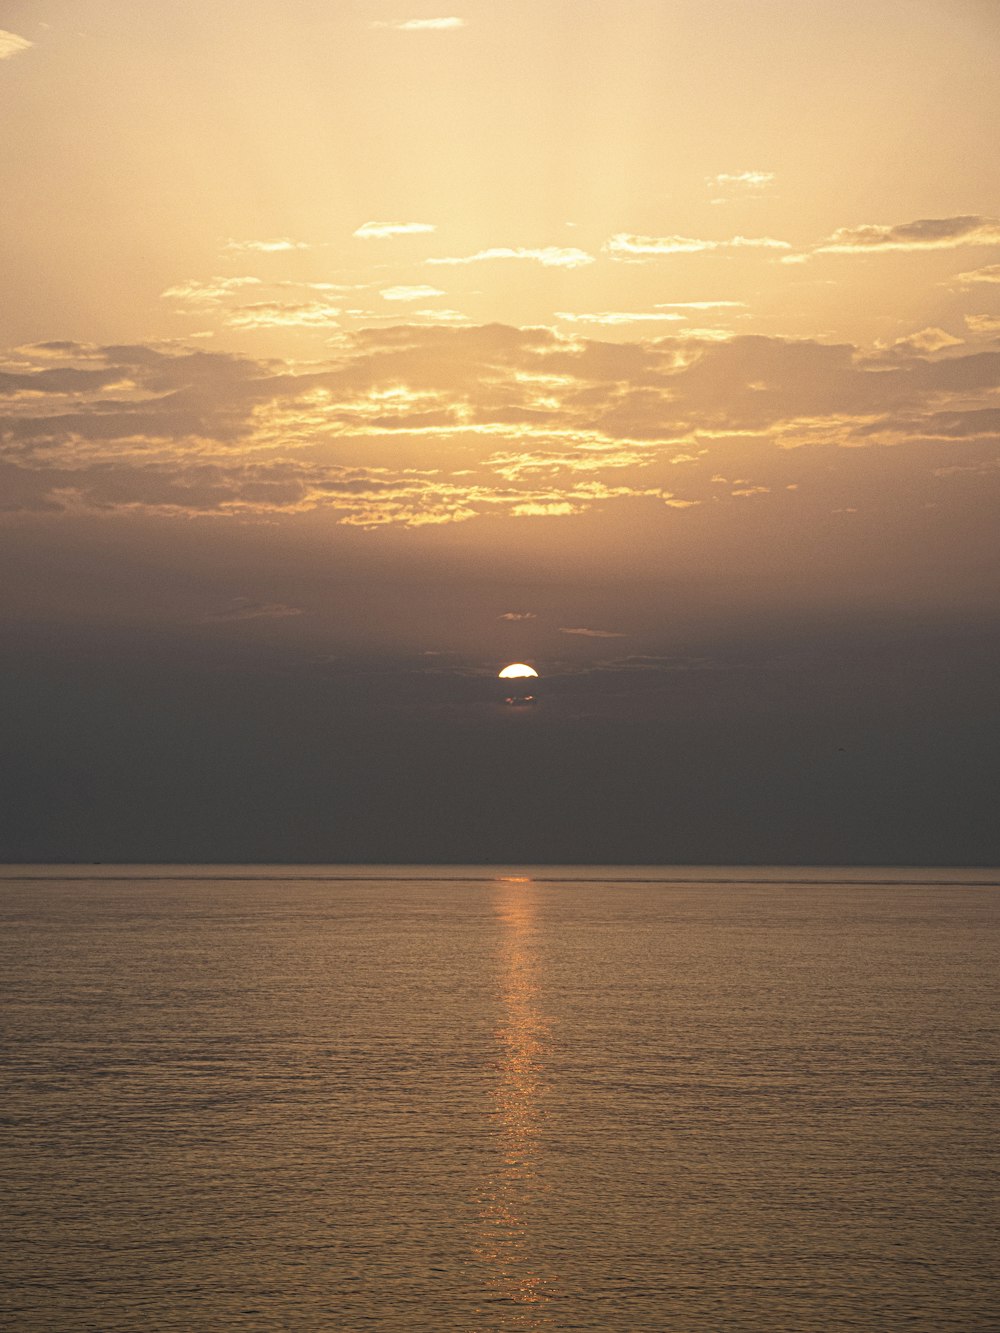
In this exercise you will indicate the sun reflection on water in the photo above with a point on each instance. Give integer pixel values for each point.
(512, 1200)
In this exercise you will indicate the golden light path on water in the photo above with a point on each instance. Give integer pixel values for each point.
(518, 1283)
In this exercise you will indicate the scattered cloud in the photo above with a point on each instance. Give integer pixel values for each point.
(421, 25)
(924, 234)
(420, 424)
(518, 615)
(419, 292)
(550, 256)
(276, 245)
(625, 245)
(592, 633)
(12, 45)
(373, 231)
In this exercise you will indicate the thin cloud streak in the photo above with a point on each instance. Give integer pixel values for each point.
(549, 256)
(924, 234)
(625, 245)
(421, 25)
(276, 245)
(374, 231)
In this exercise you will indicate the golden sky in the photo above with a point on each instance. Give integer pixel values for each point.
(713, 285)
(349, 350)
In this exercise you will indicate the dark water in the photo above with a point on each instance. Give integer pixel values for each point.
(499, 1100)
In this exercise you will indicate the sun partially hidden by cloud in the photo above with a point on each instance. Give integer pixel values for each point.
(11, 44)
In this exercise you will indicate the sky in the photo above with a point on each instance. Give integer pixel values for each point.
(352, 350)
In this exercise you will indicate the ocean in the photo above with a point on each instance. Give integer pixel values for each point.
(409, 1098)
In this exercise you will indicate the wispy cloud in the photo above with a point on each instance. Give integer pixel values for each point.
(518, 615)
(592, 633)
(615, 317)
(417, 293)
(276, 245)
(983, 323)
(374, 231)
(279, 314)
(211, 291)
(924, 234)
(421, 25)
(12, 45)
(550, 256)
(991, 273)
(701, 305)
(244, 608)
(625, 245)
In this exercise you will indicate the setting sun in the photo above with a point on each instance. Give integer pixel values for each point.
(517, 671)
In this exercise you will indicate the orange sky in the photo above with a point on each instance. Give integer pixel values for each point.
(577, 332)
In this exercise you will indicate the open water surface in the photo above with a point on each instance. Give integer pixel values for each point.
(478, 1099)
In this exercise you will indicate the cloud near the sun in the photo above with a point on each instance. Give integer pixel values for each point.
(415, 426)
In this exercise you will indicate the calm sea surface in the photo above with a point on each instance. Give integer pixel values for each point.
(477, 1099)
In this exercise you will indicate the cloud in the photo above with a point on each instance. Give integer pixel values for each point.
(983, 323)
(12, 45)
(924, 234)
(926, 340)
(614, 317)
(625, 245)
(550, 256)
(417, 425)
(244, 608)
(421, 25)
(211, 291)
(417, 293)
(274, 246)
(991, 273)
(701, 305)
(741, 180)
(592, 633)
(518, 615)
(379, 230)
(285, 315)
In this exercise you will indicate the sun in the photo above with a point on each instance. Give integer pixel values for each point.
(517, 671)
